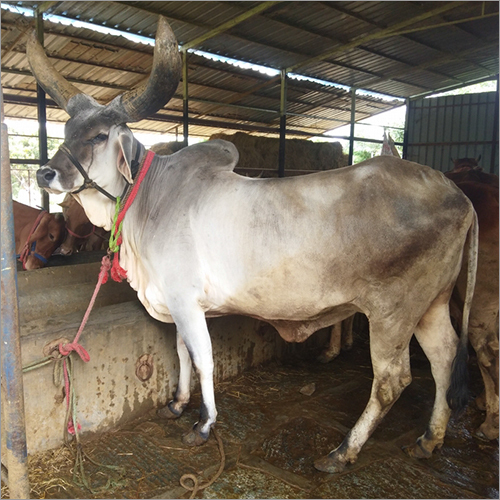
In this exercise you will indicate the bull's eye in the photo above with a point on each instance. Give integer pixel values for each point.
(99, 138)
(51, 237)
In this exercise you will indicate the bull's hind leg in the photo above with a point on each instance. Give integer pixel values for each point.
(340, 339)
(439, 342)
(332, 349)
(347, 333)
(175, 407)
(389, 346)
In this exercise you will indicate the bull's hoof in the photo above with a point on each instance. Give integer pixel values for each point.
(169, 412)
(326, 357)
(486, 432)
(193, 438)
(417, 451)
(329, 464)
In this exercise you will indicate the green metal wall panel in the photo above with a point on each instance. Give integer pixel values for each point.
(458, 126)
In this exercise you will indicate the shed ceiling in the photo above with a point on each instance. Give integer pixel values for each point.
(401, 49)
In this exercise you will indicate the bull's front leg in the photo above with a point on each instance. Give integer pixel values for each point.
(194, 339)
(175, 407)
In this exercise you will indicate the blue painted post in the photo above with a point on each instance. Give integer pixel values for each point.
(14, 427)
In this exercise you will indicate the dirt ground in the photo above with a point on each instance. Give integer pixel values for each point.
(271, 434)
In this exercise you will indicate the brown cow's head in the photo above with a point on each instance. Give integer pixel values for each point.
(44, 240)
(466, 164)
(78, 226)
(98, 146)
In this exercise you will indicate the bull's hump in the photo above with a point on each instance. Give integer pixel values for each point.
(216, 155)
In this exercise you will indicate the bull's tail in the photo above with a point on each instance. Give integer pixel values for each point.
(458, 392)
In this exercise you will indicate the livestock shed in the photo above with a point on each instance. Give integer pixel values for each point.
(267, 77)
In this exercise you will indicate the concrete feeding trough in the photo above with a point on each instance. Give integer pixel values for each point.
(133, 363)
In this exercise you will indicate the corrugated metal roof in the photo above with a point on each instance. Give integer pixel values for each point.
(340, 42)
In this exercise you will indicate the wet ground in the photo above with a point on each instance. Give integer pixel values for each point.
(272, 432)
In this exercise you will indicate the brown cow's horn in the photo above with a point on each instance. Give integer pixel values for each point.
(163, 81)
(52, 82)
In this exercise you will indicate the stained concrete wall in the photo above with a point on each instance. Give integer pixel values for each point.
(118, 333)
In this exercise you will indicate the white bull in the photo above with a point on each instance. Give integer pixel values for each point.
(384, 237)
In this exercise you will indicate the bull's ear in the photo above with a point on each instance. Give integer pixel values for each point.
(124, 158)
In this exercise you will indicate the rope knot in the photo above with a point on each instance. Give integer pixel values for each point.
(66, 349)
(117, 272)
(105, 267)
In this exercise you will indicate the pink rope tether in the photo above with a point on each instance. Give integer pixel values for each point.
(67, 349)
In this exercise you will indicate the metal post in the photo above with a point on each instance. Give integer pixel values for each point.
(185, 97)
(495, 135)
(281, 153)
(353, 122)
(406, 131)
(42, 115)
(14, 426)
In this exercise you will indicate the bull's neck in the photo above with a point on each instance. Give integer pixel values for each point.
(99, 209)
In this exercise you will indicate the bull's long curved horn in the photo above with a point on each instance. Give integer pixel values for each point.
(163, 81)
(45, 74)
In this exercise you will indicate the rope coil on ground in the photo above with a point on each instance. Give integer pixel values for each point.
(198, 487)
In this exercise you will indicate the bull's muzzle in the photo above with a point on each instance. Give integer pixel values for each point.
(44, 176)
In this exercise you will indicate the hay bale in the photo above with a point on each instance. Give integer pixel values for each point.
(262, 153)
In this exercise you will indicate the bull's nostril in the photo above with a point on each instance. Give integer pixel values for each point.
(44, 176)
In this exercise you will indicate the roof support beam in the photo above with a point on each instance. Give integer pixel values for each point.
(442, 25)
(8, 49)
(431, 62)
(15, 454)
(336, 7)
(185, 98)
(494, 139)
(451, 87)
(177, 119)
(384, 33)
(42, 114)
(282, 144)
(353, 124)
(45, 6)
(228, 24)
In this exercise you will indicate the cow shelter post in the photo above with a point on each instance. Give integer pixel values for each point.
(15, 455)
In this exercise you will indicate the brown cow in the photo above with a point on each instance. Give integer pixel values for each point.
(482, 189)
(37, 235)
(81, 234)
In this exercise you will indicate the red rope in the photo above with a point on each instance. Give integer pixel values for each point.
(117, 272)
(78, 236)
(131, 197)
